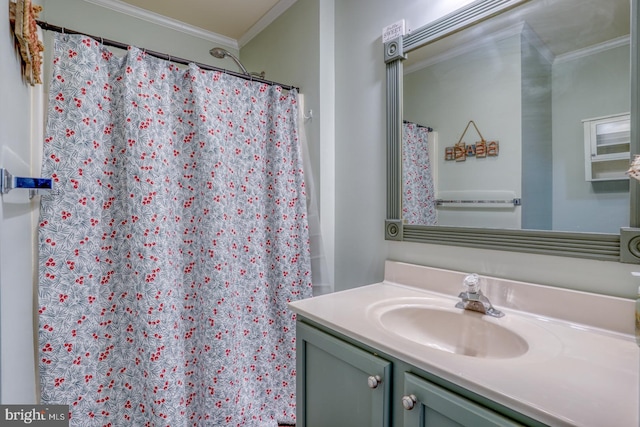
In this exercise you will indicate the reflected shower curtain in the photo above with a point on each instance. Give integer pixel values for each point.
(177, 239)
(418, 195)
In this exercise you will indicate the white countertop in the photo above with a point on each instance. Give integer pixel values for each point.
(581, 368)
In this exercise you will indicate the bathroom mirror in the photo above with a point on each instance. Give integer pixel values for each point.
(525, 74)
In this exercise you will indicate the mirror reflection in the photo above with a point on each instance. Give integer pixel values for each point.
(522, 121)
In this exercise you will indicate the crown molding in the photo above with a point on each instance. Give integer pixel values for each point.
(265, 21)
(597, 48)
(524, 29)
(173, 24)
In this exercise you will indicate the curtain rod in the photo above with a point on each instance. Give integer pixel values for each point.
(429, 129)
(46, 26)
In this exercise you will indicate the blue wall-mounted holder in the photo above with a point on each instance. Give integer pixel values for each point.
(36, 186)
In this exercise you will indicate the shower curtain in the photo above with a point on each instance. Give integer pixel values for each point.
(177, 238)
(418, 194)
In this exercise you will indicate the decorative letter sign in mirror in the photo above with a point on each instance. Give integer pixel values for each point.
(548, 84)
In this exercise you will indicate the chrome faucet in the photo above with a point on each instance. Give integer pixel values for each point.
(473, 298)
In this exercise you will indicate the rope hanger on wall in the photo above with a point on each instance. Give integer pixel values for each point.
(481, 149)
(471, 122)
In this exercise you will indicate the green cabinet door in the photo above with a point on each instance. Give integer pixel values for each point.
(429, 405)
(338, 384)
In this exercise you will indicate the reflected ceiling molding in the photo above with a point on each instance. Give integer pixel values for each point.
(474, 44)
(600, 47)
(524, 29)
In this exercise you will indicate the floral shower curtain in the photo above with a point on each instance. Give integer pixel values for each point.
(418, 194)
(177, 239)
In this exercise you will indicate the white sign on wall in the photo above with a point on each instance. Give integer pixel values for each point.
(393, 31)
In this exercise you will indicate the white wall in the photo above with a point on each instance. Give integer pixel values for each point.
(577, 82)
(17, 296)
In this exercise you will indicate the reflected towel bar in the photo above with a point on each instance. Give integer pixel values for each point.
(516, 201)
(35, 186)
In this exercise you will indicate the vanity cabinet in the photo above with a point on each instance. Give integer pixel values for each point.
(341, 382)
(427, 404)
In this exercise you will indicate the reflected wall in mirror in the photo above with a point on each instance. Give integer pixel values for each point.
(529, 79)
(532, 132)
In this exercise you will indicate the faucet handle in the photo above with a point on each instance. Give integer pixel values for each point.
(472, 283)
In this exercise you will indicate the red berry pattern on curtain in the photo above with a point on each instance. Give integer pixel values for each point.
(418, 194)
(177, 239)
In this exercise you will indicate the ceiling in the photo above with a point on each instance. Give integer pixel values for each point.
(232, 19)
(238, 21)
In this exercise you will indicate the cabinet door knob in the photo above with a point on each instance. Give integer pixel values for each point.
(374, 381)
(408, 402)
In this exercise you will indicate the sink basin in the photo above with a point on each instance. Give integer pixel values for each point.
(454, 331)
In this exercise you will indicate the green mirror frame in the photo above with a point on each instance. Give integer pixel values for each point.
(622, 247)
